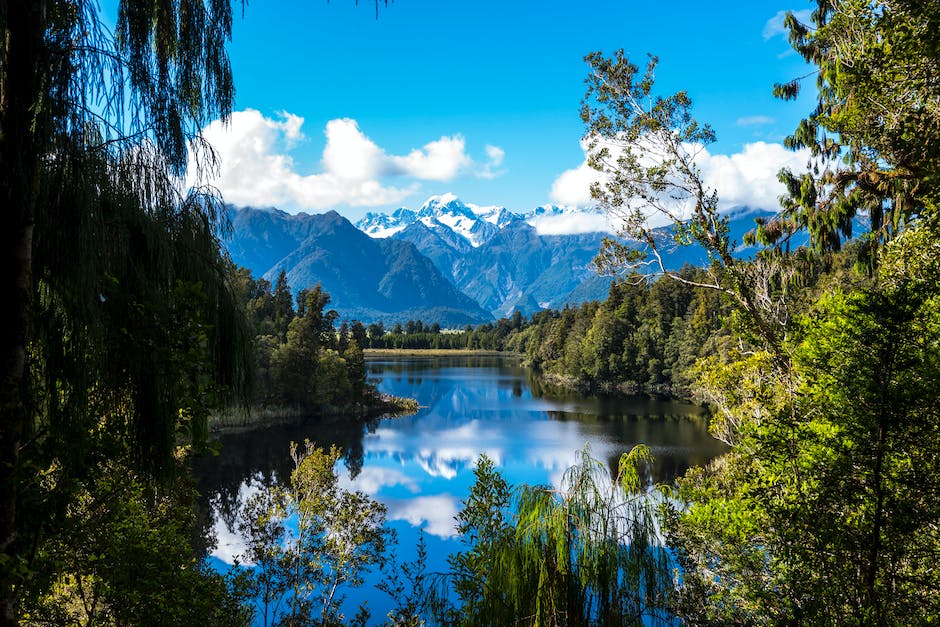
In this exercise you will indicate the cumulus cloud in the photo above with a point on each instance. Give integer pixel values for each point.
(745, 178)
(256, 168)
(573, 187)
(440, 160)
(774, 26)
(570, 223)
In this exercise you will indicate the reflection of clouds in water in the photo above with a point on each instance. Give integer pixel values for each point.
(436, 512)
(371, 479)
(455, 448)
(551, 447)
(229, 543)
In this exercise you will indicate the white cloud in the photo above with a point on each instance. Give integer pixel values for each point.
(256, 168)
(746, 178)
(490, 169)
(571, 223)
(440, 160)
(775, 27)
(573, 187)
(350, 155)
(496, 154)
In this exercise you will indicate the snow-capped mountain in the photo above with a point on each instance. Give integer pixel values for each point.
(502, 259)
(447, 216)
(379, 225)
(448, 260)
(448, 213)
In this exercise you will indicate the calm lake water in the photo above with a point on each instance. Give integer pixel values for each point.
(421, 466)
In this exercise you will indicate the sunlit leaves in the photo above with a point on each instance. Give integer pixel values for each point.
(585, 553)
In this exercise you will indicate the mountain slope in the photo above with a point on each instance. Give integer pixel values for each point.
(369, 279)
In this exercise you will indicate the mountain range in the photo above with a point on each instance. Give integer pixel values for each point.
(367, 279)
(449, 262)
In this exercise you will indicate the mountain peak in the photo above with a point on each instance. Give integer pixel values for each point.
(441, 200)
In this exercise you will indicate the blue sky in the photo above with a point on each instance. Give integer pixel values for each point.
(338, 110)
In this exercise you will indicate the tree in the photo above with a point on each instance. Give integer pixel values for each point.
(824, 511)
(123, 556)
(646, 147)
(94, 134)
(283, 304)
(376, 332)
(339, 535)
(359, 333)
(873, 133)
(579, 555)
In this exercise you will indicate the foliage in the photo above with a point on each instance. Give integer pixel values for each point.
(299, 571)
(825, 511)
(122, 556)
(407, 584)
(301, 360)
(873, 132)
(645, 146)
(583, 554)
(123, 329)
(647, 334)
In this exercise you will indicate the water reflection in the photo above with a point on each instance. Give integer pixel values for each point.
(421, 466)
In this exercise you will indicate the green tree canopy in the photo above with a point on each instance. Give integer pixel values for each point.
(875, 131)
(120, 317)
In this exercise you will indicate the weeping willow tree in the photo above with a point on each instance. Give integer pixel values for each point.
(584, 554)
(120, 328)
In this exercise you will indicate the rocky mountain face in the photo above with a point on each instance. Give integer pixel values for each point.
(495, 256)
(368, 279)
(448, 261)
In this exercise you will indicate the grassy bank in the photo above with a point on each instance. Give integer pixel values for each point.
(434, 352)
(241, 418)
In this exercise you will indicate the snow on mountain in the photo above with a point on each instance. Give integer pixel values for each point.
(444, 214)
(381, 225)
(447, 215)
(495, 215)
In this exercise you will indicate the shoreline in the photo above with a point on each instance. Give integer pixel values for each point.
(435, 352)
(565, 382)
(252, 418)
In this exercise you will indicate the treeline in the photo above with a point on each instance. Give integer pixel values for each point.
(646, 334)
(301, 361)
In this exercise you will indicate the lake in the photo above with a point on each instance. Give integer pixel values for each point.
(421, 466)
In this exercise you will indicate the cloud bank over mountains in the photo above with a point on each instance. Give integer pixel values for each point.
(256, 167)
(747, 178)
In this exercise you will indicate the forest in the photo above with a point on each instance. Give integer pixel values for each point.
(126, 328)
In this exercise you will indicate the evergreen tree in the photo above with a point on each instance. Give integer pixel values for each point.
(283, 305)
(873, 133)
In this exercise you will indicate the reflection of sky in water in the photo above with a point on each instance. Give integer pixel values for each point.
(421, 466)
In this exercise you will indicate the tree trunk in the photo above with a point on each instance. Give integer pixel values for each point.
(20, 142)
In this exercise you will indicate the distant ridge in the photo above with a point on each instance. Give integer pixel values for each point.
(368, 279)
(448, 261)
